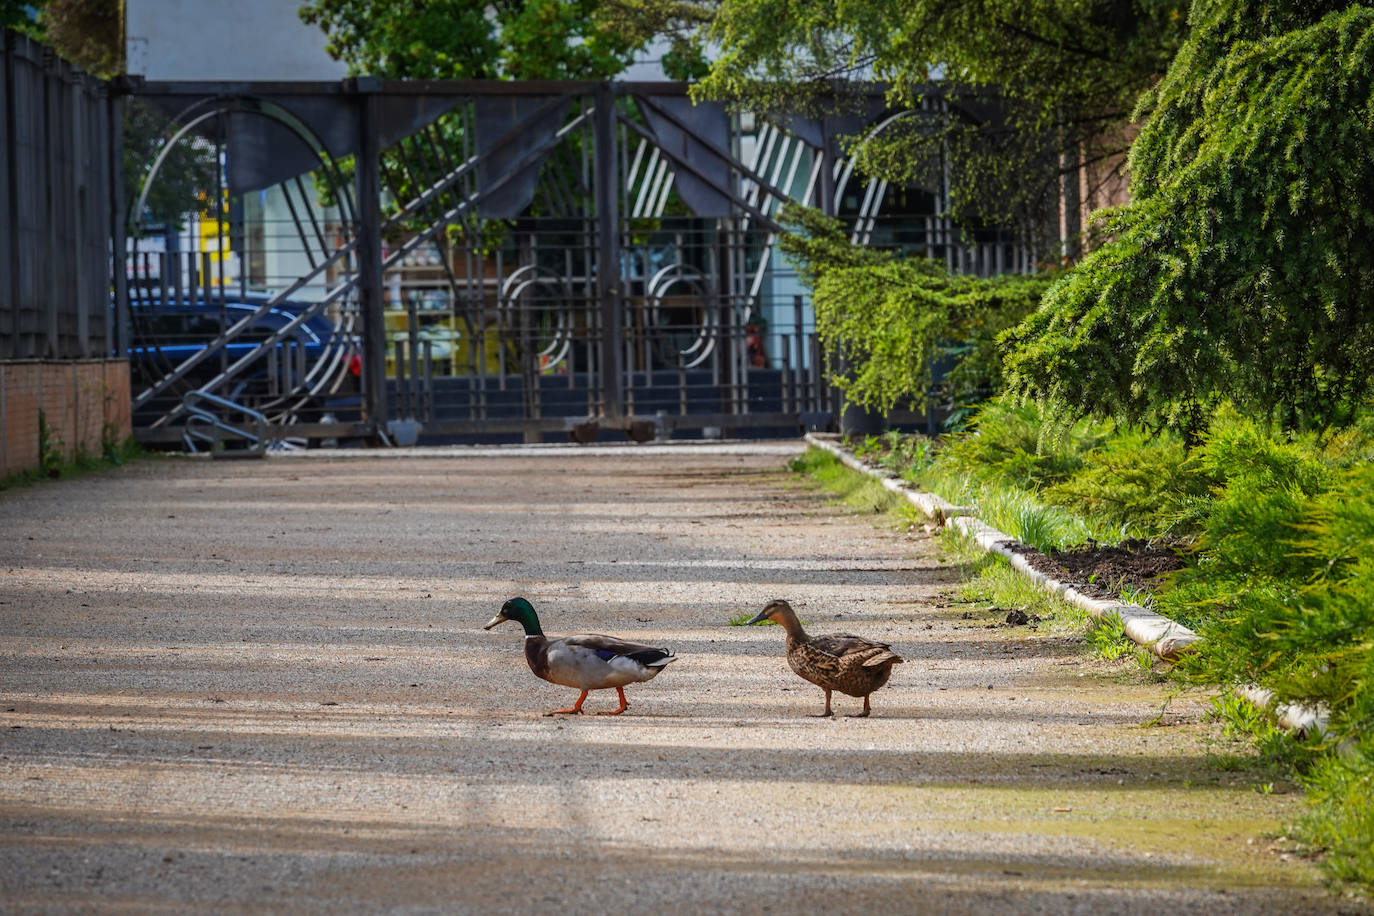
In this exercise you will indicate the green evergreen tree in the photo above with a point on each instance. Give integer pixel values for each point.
(1243, 269)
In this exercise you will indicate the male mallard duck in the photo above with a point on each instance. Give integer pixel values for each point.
(587, 662)
(843, 662)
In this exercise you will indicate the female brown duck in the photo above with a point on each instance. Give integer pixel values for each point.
(844, 662)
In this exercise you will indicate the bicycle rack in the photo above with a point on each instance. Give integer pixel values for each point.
(252, 430)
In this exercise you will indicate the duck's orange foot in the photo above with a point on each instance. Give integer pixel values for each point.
(623, 705)
(576, 709)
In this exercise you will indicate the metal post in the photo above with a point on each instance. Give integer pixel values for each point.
(369, 237)
(608, 252)
(52, 217)
(9, 205)
(119, 228)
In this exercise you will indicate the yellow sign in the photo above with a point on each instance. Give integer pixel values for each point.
(214, 241)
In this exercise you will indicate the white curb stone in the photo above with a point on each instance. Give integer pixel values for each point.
(1164, 637)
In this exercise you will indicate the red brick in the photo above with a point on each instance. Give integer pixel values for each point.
(77, 400)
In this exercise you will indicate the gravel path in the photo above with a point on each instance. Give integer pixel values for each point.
(247, 686)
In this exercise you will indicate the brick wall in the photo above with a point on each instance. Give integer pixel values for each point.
(77, 398)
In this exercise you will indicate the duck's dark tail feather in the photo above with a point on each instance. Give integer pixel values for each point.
(653, 658)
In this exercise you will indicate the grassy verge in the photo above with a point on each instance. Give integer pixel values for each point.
(987, 579)
(859, 492)
(1281, 584)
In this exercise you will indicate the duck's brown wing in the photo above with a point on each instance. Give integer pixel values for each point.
(842, 644)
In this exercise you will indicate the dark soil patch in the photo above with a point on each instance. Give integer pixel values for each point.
(1105, 572)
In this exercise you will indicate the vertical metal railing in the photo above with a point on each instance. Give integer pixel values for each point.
(58, 183)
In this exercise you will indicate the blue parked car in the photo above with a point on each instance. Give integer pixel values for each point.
(307, 364)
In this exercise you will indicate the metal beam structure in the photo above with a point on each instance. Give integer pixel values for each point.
(507, 260)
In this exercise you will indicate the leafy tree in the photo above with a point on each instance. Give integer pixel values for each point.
(465, 39)
(899, 320)
(1039, 88)
(186, 179)
(21, 16)
(471, 39)
(1243, 269)
(89, 33)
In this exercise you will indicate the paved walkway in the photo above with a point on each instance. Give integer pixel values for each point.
(239, 686)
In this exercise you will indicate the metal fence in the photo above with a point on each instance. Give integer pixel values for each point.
(60, 162)
(500, 260)
(450, 260)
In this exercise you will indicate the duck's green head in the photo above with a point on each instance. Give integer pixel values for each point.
(522, 612)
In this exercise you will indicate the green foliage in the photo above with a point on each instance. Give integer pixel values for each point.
(51, 453)
(905, 456)
(187, 176)
(1262, 485)
(1034, 522)
(1280, 754)
(1310, 638)
(116, 450)
(1037, 86)
(1282, 589)
(1340, 820)
(1242, 270)
(1108, 638)
(1296, 617)
(89, 33)
(461, 39)
(1011, 446)
(896, 319)
(1134, 480)
(54, 461)
(22, 17)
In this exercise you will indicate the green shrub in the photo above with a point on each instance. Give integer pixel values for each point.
(1015, 446)
(1263, 484)
(1302, 626)
(1146, 484)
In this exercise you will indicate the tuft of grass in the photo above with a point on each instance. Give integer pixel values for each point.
(740, 620)
(1108, 639)
(989, 579)
(1036, 523)
(1277, 752)
(1340, 821)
